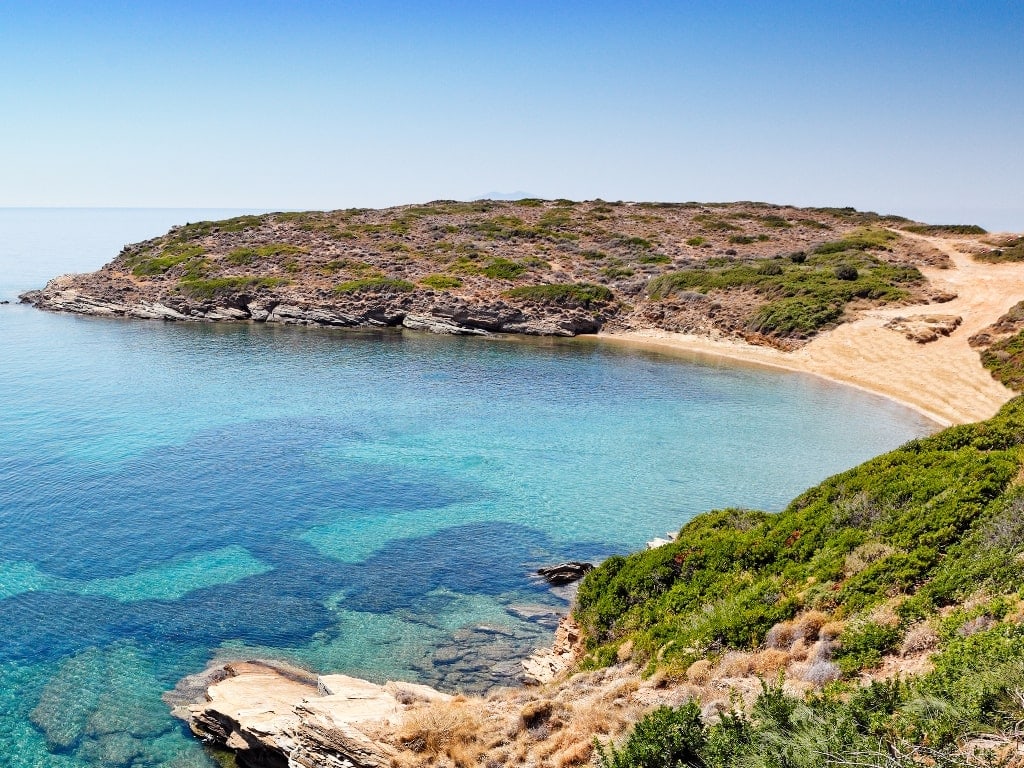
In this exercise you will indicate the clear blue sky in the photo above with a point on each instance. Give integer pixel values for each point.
(904, 107)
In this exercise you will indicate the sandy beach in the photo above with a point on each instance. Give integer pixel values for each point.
(943, 380)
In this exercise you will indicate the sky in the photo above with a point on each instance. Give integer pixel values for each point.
(914, 108)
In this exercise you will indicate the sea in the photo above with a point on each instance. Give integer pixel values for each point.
(372, 502)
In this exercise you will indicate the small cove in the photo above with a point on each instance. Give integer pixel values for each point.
(370, 502)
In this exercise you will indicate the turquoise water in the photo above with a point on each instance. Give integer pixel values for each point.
(351, 501)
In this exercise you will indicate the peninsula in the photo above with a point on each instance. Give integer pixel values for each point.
(878, 302)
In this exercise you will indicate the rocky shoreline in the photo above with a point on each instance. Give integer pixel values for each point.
(435, 314)
(273, 715)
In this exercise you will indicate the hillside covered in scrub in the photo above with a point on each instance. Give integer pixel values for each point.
(769, 274)
(882, 609)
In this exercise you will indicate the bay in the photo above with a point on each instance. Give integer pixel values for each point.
(353, 501)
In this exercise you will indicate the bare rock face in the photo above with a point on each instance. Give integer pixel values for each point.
(925, 328)
(546, 664)
(274, 716)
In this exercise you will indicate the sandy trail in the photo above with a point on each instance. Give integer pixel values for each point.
(943, 380)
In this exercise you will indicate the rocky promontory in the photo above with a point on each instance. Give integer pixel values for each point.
(767, 274)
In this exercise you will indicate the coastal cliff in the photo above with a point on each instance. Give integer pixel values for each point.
(772, 275)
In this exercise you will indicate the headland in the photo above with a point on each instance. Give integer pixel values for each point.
(872, 301)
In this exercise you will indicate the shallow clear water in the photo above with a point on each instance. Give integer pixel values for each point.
(353, 501)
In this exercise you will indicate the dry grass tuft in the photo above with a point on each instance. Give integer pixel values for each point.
(919, 637)
(816, 673)
(578, 753)
(830, 630)
(975, 625)
(537, 712)
(821, 651)
(733, 664)
(781, 635)
(799, 650)
(864, 555)
(768, 662)
(885, 615)
(624, 652)
(808, 625)
(440, 728)
(699, 673)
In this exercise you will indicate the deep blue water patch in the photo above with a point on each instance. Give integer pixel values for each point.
(245, 484)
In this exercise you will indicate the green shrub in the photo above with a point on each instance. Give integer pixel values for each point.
(503, 269)
(374, 285)
(940, 503)
(713, 223)
(696, 242)
(655, 258)
(640, 243)
(864, 239)
(740, 239)
(845, 272)
(146, 265)
(616, 271)
(1005, 361)
(944, 229)
(863, 647)
(243, 256)
(801, 299)
(577, 294)
(666, 737)
(441, 282)
(204, 228)
(1011, 251)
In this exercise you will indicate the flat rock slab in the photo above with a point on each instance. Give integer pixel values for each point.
(273, 715)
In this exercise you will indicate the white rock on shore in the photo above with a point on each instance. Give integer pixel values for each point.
(272, 715)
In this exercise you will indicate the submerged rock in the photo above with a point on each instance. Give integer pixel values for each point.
(565, 573)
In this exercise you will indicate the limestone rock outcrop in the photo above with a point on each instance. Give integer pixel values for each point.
(925, 328)
(546, 664)
(274, 716)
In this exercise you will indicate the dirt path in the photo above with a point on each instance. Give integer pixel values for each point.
(943, 380)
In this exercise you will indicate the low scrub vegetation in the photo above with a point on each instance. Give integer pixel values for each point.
(944, 229)
(209, 288)
(803, 294)
(918, 551)
(574, 294)
(1012, 250)
(149, 265)
(441, 282)
(374, 285)
(196, 230)
(916, 523)
(503, 269)
(1005, 360)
